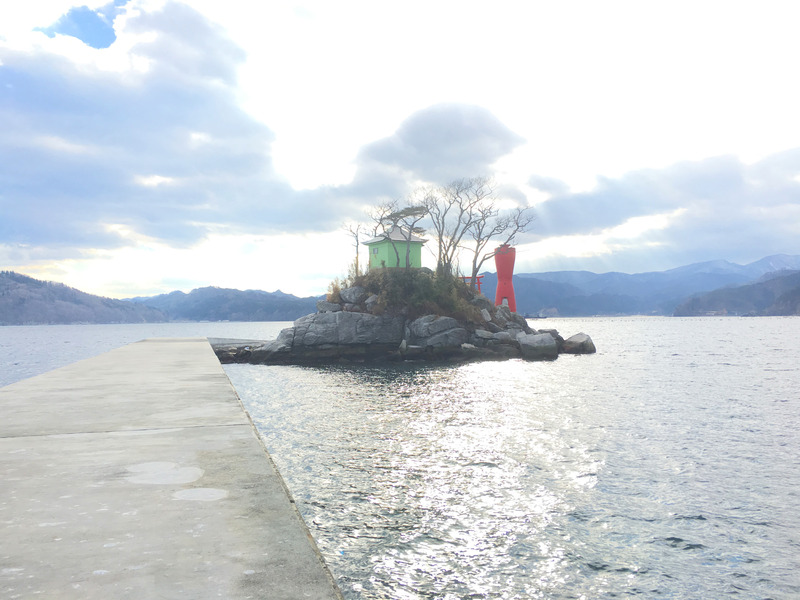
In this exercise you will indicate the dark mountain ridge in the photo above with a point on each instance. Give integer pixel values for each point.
(583, 293)
(224, 304)
(28, 301)
(773, 294)
(25, 301)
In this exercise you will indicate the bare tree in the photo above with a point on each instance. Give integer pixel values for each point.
(355, 230)
(467, 208)
(389, 218)
(378, 215)
(453, 209)
(489, 224)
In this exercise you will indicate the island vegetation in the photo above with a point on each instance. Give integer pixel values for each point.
(397, 310)
(463, 218)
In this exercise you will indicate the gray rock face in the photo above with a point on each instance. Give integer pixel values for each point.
(502, 337)
(537, 346)
(347, 328)
(483, 334)
(430, 325)
(580, 343)
(432, 331)
(353, 295)
(272, 351)
(452, 338)
(325, 306)
(349, 331)
(482, 302)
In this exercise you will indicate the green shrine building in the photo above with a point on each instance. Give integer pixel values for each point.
(388, 250)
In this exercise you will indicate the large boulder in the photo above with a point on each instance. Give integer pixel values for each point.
(430, 325)
(353, 295)
(537, 346)
(580, 343)
(452, 338)
(347, 328)
(325, 306)
(342, 332)
(439, 333)
(275, 350)
(317, 329)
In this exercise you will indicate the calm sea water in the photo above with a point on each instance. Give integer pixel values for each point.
(33, 350)
(667, 465)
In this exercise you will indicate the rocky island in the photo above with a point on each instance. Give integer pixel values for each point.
(357, 324)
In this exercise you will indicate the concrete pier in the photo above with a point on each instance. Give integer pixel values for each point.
(138, 474)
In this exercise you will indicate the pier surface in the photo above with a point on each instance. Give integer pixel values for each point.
(138, 474)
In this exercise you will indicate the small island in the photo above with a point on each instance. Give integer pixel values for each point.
(408, 314)
(399, 311)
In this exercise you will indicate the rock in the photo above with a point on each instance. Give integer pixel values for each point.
(353, 295)
(346, 328)
(446, 339)
(521, 322)
(470, 352)
(336, 335)
(502, 337)
(493, 327)
(580, 343)
(554, 332)
(325, 306)
(487, 316)
(442, 334)
(537, 346)
(503, 351)
(514, 331)
(503, 312)
(430, 325)
(275, 350)
(371, 302)
(364, 328)
(482, 302)
(481, 337)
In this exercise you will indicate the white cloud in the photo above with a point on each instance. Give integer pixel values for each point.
(292, 263)
(59, 144)
(153, 180)
(288, 116)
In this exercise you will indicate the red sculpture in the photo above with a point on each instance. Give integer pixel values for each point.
(504, 260)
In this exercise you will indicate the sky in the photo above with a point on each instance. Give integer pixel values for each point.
(148, 146)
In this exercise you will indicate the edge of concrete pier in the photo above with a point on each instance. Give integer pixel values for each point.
(139, 474)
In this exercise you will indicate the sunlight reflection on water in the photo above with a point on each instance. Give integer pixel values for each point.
(648, 469)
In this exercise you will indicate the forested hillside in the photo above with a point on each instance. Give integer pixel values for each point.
(28, 301)
(222, 304)
(773, 295)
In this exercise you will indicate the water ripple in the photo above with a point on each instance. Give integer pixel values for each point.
(665, 466)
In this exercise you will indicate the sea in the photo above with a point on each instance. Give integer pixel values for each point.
(666, 465)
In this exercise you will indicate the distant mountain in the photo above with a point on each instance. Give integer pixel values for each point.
(774, 294)
(582, 293)
(28, 301)
(221, 304)
(766, 286)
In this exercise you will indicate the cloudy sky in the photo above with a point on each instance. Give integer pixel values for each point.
(151, 145)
